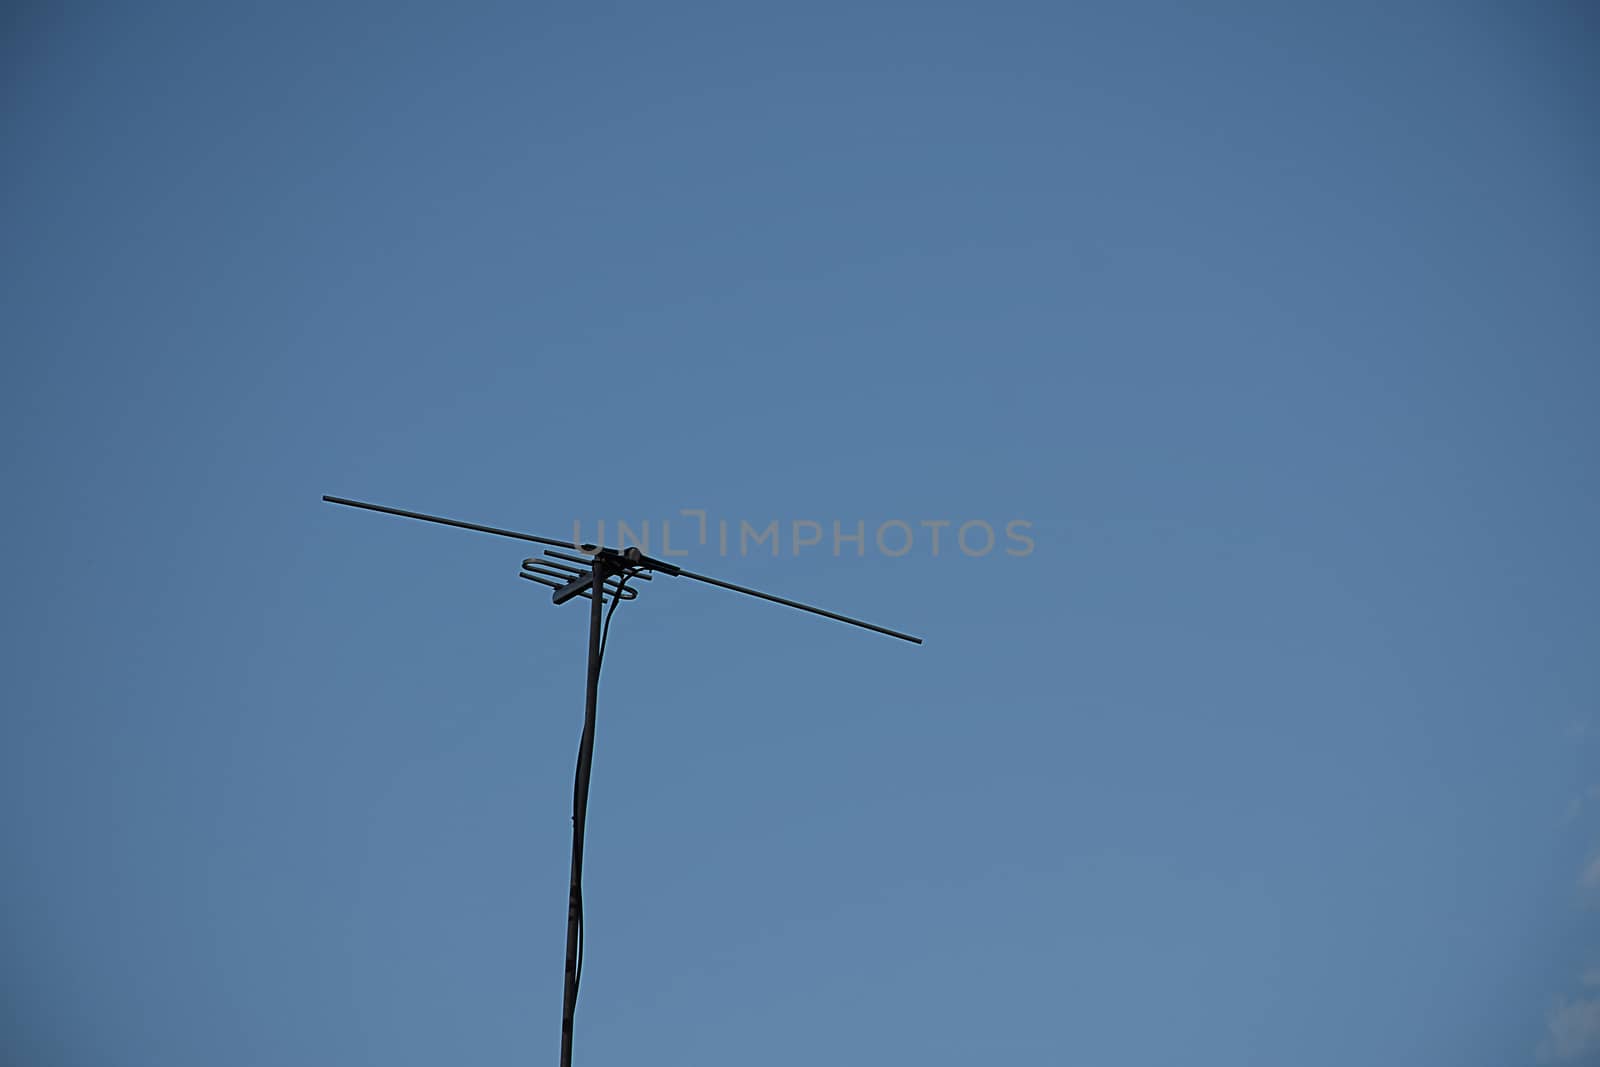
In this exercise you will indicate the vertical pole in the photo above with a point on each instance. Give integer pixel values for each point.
(580, 807)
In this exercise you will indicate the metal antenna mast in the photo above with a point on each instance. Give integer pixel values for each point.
(601, 576)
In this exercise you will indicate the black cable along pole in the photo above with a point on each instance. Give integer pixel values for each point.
(604, 564)
(580, 812)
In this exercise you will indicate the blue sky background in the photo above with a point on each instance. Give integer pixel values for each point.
(1278, 324)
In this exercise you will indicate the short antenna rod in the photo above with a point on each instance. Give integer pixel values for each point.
(803, 607)
(450, 522)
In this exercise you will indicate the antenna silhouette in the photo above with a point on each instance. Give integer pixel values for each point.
(601, 576)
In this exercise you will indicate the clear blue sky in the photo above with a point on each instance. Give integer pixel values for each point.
(1278, 326)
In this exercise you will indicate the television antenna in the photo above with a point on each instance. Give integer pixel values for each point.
(601, 576)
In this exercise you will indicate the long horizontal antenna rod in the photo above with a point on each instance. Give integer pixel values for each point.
(642, 561)
(450, 522)
(802, 607)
